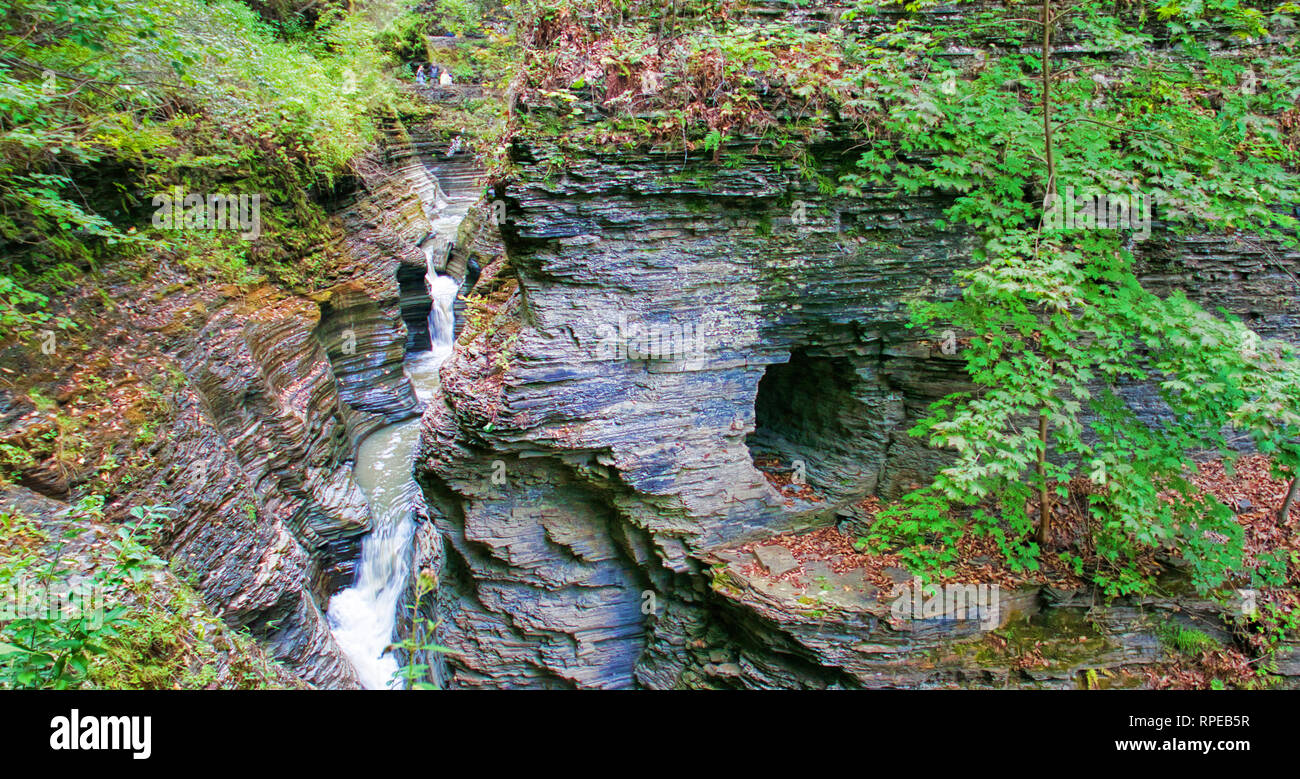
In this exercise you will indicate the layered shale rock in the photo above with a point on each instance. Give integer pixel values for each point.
(683, 328)
(267, 394)
(283, 392)
(907, 637)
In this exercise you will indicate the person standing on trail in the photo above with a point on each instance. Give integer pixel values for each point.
(434, 70)
(445, 80)
(419, 75)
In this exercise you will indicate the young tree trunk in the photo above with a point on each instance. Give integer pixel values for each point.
(1283, 516)
(1044, 496)
(1049, 151)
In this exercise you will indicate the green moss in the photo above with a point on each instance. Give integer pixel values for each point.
(1064, 638)
(1185, 640)
(173, 642)
(725, 582)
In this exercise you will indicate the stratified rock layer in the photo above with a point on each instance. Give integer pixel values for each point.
(683, 327)
(278, 391)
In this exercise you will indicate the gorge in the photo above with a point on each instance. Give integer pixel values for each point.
(575, 386)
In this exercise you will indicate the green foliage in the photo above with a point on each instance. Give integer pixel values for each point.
(416, 674)
(171, 642)
(12, 460)
(53, 648)
(1187, 641)
(106, 103)
(1274, 623)
(458, 17)
(1059, 322)
(140, 630)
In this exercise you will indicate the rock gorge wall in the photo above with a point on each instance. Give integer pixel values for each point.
(278, 391)
(682, 328)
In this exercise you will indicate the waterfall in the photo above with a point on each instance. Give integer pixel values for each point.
(364, 616)
(442, 332)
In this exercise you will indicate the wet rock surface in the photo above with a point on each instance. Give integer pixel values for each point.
(282, 395)
(270, 393)
(285, 393)
(686, 332)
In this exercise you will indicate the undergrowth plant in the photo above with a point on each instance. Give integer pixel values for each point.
(46, 644)
(104, 104)
(1060, 327)
(417, 673)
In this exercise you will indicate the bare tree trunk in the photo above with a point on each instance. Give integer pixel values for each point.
(1283, 516)
(1044, 496)
(1050, 152)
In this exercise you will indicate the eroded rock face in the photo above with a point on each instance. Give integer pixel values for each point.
(257, 468)
(911, 638)
(684, 325)
(84, 543)
(277, 392)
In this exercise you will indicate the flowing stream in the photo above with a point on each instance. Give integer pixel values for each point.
(364, 615)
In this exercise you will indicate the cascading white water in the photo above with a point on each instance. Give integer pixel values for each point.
(363, 616)
(442, 289)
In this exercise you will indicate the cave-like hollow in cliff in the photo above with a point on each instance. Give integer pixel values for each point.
(800, 429)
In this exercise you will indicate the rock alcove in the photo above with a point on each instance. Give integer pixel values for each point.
(810, 425)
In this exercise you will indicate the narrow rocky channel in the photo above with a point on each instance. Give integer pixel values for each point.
(363, 616)
(483, 345)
